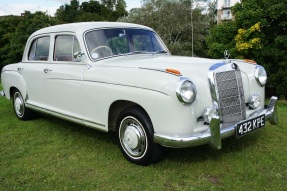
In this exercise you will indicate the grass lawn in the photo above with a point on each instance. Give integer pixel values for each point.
(52, 154)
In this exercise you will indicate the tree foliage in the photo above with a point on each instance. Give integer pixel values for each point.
(106, 10)
(172, 20)
(259, 33)
(222, 38)
(14, 32)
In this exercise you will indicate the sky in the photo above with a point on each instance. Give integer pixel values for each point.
(16, 7)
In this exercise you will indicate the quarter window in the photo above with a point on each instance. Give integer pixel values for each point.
(39, 49)
(65, 48)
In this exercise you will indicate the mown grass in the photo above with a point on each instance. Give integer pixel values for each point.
(52, 154)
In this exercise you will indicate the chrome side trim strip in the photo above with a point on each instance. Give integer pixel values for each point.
(98, 124)
(215, 133)
(160, 70)
(91, 124)
(126, 86)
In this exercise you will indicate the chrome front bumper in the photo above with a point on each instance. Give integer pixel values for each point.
(216, 131)
(2, 93)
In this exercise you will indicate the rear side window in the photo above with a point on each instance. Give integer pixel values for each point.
(39, 49)
(65, 48)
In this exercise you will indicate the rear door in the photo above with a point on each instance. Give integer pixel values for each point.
(32, 69)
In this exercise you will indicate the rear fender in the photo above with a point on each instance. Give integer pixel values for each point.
(11, 80)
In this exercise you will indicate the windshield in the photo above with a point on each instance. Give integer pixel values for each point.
(110, 42)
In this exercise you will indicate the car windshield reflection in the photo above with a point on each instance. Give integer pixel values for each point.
(112, 42)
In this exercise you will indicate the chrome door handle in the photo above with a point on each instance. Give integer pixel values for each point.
(46, 70)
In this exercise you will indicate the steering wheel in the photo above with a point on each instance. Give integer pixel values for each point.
(102, 51)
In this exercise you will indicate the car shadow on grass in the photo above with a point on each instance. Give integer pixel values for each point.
(83, 132)
(202, 153)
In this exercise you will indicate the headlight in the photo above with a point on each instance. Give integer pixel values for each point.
(260, 75)
(254, 101)
(185, 91)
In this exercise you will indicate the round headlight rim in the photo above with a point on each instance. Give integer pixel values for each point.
(257, 77)
(178, 88)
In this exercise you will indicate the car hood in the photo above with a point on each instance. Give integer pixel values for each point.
(186, 65)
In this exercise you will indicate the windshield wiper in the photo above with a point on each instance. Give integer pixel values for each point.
(160, 52)
(146, 52)
(140, 52)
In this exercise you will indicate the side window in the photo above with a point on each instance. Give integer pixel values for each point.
(65, 47)
(39, 49)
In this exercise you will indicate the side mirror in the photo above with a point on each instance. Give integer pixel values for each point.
(79, 56)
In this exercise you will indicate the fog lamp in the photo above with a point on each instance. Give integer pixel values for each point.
(208, 113)
(254, 101)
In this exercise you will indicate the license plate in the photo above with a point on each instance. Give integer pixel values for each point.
(250, 125)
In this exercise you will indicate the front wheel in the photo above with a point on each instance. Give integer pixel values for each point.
(20, 109)
(135, 137)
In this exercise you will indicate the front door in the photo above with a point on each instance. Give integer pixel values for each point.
(64, 79)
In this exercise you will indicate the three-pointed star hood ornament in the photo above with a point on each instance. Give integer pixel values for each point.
(226, 54)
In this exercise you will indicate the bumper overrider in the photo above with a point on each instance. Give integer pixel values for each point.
(216, 132)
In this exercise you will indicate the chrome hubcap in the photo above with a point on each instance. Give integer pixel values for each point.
(18, 104)
(132, 137)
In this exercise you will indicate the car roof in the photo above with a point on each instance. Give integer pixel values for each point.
(81, 27)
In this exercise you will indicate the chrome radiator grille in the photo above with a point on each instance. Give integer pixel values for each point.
(230, 96)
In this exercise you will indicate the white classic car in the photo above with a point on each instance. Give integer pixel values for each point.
(121, 77)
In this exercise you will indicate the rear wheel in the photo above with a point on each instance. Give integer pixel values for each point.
(135, 137)
(20, 109)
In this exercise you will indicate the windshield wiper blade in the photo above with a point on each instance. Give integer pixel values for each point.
(160, 52)
(146, 52)
(140, 52)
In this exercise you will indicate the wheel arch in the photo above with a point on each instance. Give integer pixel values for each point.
(21, 89)
(116, 108)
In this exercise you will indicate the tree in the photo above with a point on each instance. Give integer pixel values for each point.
(16, 30)
(272, 16)
(69, 12)
(7, 28)
(221, 38)
(172, 20)
(259, 32)
(212, 13)
(106, 10)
